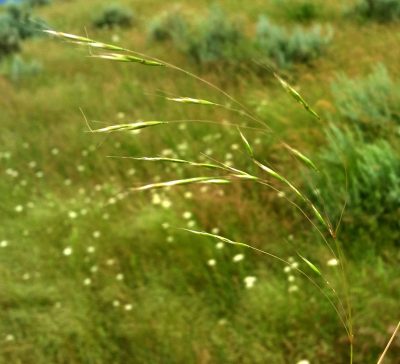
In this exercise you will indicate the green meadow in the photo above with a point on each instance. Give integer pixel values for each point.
(96, 270)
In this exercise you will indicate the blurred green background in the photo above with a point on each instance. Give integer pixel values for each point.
(92, 274)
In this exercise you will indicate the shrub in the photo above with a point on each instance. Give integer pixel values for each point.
(114, 16)
(303, 11)
(17, 24)
(371, 103)
(216, 38)
(34, 3)
(380, 10)
(285, 48)
(9, 36)
(19, 69)
(168, 26)
(373, 186)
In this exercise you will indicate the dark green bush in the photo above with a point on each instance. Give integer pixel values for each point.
(380, 10)
(16, 25)
(303, 11)
(114, 16)
(373, 184)
(9, 36)
(34, 3)
(285, 48)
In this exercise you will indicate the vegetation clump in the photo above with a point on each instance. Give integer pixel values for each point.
(371, 185)
(302, 11)
(17, 24)
(380, 10)
(284, 48)
(217, 38)
(168, 26)
(114, 16)
(371, 103)
(34, 3)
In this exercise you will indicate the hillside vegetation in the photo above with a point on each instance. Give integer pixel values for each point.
(93, 272)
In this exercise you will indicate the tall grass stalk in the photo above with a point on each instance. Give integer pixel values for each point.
(228, 174)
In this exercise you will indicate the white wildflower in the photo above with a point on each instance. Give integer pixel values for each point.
(332, 262)
(87, 281)
(249, 281)
(166, 204)
(91, 249)
(128, 307)
(238, 258)
(72, 215)
(67, 251)
(116, 303)
(187, 215)
(120, 277)
(96, 234)
(211, 262)
(191, 224)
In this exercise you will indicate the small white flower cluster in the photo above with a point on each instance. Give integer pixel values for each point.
(293, 265)
(161, 200)
(67, 251)
(238, 258)
(332, 262)
(3, 244)
(249, 281)
(127, 306)
(303, 361)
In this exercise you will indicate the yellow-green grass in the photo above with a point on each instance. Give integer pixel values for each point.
(183, 310)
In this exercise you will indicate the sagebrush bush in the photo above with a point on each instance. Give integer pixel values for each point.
(18, 69)
(114, 16)
(371, 103)
(216, 38)
(285, 48)
(168, 26)
(17, 24)
(373, 183)
(380, 10)
(9, 36)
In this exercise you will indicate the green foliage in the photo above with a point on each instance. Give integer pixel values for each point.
(302, 11)
(9, 36)
(285, 48)
(216, 38)
(17, 24)
(34, 3)
(371, 103)
(373, 183)
(168, 26)
(114, 16)
(18, 69)
(380, 10)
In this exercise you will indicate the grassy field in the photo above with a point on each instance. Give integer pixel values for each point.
(92, 274)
